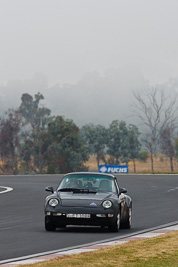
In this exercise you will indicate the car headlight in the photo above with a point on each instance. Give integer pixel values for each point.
(53, 202)
(107, 204)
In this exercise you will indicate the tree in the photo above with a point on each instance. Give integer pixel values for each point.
(167, 143)
(154, 109)
(10, 131)
(118, 142)
(134, 144)
(32, 111)
(95, 139)
(26, 153)
(65, 152)
(176, 147)
(37, 118)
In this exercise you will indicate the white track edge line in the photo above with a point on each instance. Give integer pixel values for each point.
(7, 189)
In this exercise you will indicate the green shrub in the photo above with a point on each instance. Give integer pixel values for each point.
(143, 155)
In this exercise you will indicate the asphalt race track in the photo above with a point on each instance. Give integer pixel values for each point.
(155, 202)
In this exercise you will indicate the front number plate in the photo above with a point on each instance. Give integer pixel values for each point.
(71, 215)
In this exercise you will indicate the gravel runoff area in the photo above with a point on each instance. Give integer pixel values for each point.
(31, 259)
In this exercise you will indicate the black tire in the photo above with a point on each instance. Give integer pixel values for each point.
(116, 226)
(128, 223)
(49, 226)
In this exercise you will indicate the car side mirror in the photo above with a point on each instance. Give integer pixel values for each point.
(122, 190)
(49, 189)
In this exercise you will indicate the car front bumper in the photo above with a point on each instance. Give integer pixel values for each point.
(92, 217)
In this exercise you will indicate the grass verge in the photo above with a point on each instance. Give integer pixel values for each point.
(158, 251)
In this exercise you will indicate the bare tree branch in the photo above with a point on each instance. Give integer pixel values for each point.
(156, 111)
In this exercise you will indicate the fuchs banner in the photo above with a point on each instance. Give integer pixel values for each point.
(113, 168)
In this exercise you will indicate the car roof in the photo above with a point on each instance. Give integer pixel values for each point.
(92, 173)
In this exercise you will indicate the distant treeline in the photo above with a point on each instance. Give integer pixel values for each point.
(32, 140)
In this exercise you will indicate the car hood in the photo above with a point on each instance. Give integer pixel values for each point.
(80, 200)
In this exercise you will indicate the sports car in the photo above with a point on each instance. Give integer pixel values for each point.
(88, 198)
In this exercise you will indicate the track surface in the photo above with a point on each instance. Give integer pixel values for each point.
(155, 202)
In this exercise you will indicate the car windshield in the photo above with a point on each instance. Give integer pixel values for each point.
(91, 182)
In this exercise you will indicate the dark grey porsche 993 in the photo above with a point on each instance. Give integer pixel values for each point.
(88, 198)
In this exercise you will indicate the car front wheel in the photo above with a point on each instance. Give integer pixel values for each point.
(116, 226)
(49, 226)
(127, 224)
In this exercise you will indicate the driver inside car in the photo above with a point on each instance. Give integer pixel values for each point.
(74, 183)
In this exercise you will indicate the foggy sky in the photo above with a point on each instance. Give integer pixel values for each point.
(66, 41)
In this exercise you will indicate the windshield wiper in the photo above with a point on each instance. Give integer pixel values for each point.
(77, 190)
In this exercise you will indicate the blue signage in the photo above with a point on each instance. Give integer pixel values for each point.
(113, 168)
